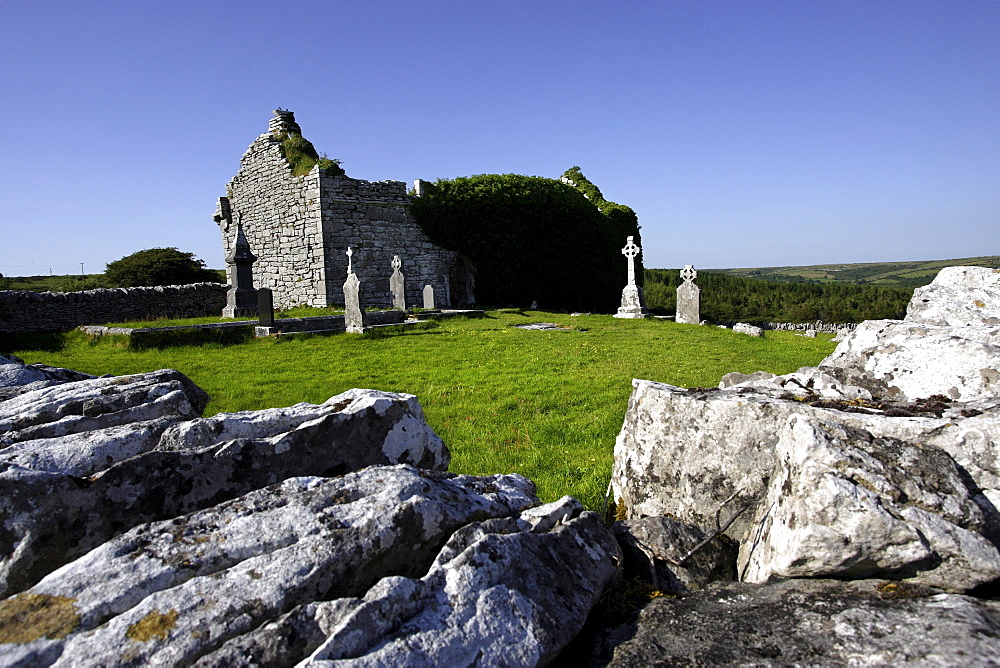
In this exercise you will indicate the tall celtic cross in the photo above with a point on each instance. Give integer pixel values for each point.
(349, 254)
(630, 251)
(396, 264)
(688, 273)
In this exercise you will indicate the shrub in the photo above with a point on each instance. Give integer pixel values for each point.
(302, 156)
(158, 266)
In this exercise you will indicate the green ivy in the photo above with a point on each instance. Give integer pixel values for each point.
(530, 239)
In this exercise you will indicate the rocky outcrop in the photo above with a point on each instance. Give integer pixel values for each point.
(807, 622)
(87, 460)
(135, 532)
(958, 297)
(881, 462)
(173, 591)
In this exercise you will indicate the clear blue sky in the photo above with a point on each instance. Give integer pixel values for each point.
(743, 133)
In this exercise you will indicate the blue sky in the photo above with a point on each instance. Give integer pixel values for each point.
(743, 133)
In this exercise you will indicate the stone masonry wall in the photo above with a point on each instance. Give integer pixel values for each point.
(373, 219)
(23, 311)
(300, 228)
(280, 215)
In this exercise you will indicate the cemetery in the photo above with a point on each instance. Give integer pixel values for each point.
(412, 481)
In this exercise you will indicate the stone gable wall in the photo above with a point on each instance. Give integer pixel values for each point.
(24, 311)
(280, 214)
(300, 228)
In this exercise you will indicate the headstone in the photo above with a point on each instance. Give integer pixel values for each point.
(354, 316)
(688, 298)
(633, 303)
(429, 297)
(265, 308)
(397, 285)
(241, 300)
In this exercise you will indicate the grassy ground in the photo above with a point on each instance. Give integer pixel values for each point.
(547, 404)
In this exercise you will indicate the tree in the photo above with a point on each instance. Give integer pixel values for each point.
(158, 266)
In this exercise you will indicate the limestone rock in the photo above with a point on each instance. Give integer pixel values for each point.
(52, 518)
(688, 454)
(749, 330)
(97, 403)
(657, 550)
(507, 591)
(808, 622)
(409, 441)
(844, 504)
(16, 377)
(904, 361)
(958, 297)
(170, 592)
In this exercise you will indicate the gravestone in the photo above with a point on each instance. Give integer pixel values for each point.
(429, 297)
(241, 300)
(354, 315)
(265, 308)
(688, 297)
(397, 285)
(633, 302)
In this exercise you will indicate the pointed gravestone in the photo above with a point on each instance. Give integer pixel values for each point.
(354, 316)
(429, 297)
(688, 298)
(241, 300)
(633, 303)
(397, 285)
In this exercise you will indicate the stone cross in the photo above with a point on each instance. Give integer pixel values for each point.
(688, 298)
(630, 251)
(349, 254)
(633, 302)
(397, 285)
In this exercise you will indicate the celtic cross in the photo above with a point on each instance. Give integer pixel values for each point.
(349, 254)
(688, 273)
(396, 264)
(630, 251)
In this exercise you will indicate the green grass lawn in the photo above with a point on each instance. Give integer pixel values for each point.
(547, 404)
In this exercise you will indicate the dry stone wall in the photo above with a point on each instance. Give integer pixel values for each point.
(23, 311)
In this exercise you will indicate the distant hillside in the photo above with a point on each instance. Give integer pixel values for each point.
(903, 274)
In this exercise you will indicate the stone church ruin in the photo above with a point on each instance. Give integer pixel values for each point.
(299, 228)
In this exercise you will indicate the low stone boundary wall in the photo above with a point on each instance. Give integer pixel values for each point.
(819, 326)
(24, 311)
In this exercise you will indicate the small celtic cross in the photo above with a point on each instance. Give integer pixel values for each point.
(349, 254)
(396, 264)
(688, 273)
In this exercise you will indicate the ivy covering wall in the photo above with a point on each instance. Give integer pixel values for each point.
(532, 239)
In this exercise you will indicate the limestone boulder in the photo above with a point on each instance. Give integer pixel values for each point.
(51, 517)
(904, 361)
(807, 622)
(16, 377)
(96, 403)
(958, 297)
(842, 503)
(510, 591)
(748, 329)
(700, 455)
(171, 592)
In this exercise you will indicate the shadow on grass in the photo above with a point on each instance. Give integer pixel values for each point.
(46, 341)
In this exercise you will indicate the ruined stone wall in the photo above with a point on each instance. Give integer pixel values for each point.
(300, 227)
(373, 219)
(24, 311)
(280, 215)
